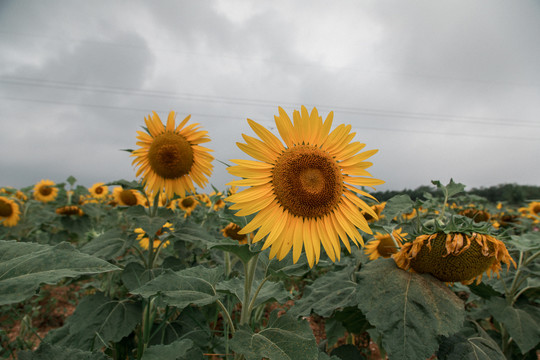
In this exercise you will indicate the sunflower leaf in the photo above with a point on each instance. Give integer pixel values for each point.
(96, 321)
(520, 322)
(397, 205)
(47, 351)
(24, 266)
(106, 246)
(284, 338)
(470, 344)
(181, 288)
(410, 310)
(178, 350)
(332, 291)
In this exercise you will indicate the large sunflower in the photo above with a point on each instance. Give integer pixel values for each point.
(304, 191)
(45, 191)
(171, 158)
(9, 212)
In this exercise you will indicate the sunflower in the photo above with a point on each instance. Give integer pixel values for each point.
(45, 191)
(171, 158)
(144, 240)
(232, 231)
(383, 245)
(378, 208)
(205, 199)
(9, 212)
(304, 192)
(127, 197)
(70, 210)
(454, 256)
(476, 214)
(188, 204)
(99, 190)
(534, 210)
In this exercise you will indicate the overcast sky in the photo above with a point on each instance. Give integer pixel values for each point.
(444, 89)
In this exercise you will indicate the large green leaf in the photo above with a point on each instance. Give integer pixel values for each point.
(96, 321)
(410, 310)
(135, 275)
(269, 291)
(396, 205)
(470, 344)
(521, 323)
(284, 338)
(106, 246)
(178, 350)
(48, 352)
(330, 292)
(182, 288)
(24, 266)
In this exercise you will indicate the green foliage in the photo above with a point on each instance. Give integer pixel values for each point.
(410, 310)
(284, 338)
(24, 266)
(178, 350)
(47, 352)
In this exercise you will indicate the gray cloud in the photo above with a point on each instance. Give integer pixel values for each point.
(434, 86)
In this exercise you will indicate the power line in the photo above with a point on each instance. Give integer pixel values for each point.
(262, 103)
(269, 121)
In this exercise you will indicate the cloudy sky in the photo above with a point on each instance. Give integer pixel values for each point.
(444, 89)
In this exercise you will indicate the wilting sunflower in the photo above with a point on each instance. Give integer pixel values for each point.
(99, 190)
(171, 158)
(476, 214)
(232, 231)
(304, 191)
(9, 212)
(127, 197)
(383, 245)
(454, 256)
(70, 210)
(45, 191)
(144, 240)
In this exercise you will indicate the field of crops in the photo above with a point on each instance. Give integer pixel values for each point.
(295, 261)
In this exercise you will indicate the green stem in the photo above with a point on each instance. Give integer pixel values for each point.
(252, 302)
(249, 269)
(510, 294)
(227, 316)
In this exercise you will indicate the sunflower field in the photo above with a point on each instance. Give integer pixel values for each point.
(295, 259)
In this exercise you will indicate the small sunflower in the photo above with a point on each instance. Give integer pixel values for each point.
(205, 199)
(9, 212)
(45, 191)
(188, 204)
(378, 208)
(454, 256)
(127, 197)
(304, 192)
(99, 190)
(219, 204)
(534, 210)
(70, 210)
(231, 231)
(144, 240)
(383, 245)
(171, 158)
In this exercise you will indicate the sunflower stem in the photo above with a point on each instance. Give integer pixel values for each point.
(249, 268)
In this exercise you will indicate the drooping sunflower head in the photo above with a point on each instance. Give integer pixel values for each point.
(232, 231)
(45, 191)
(144, 240)
(70, 210)
(127, 197)
(99, 190)
(9, 212)
(171, 158)
(377, 208)
(476, 214)
(384, 245)
(454, 257)
(303, 191)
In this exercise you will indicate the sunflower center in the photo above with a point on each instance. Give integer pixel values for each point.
(307, 181)
(187, 202)
(386, 247)
(99, 190)
(128, 198)
(170, 155)
(45, 190)
(5, 209)
(536, 209)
